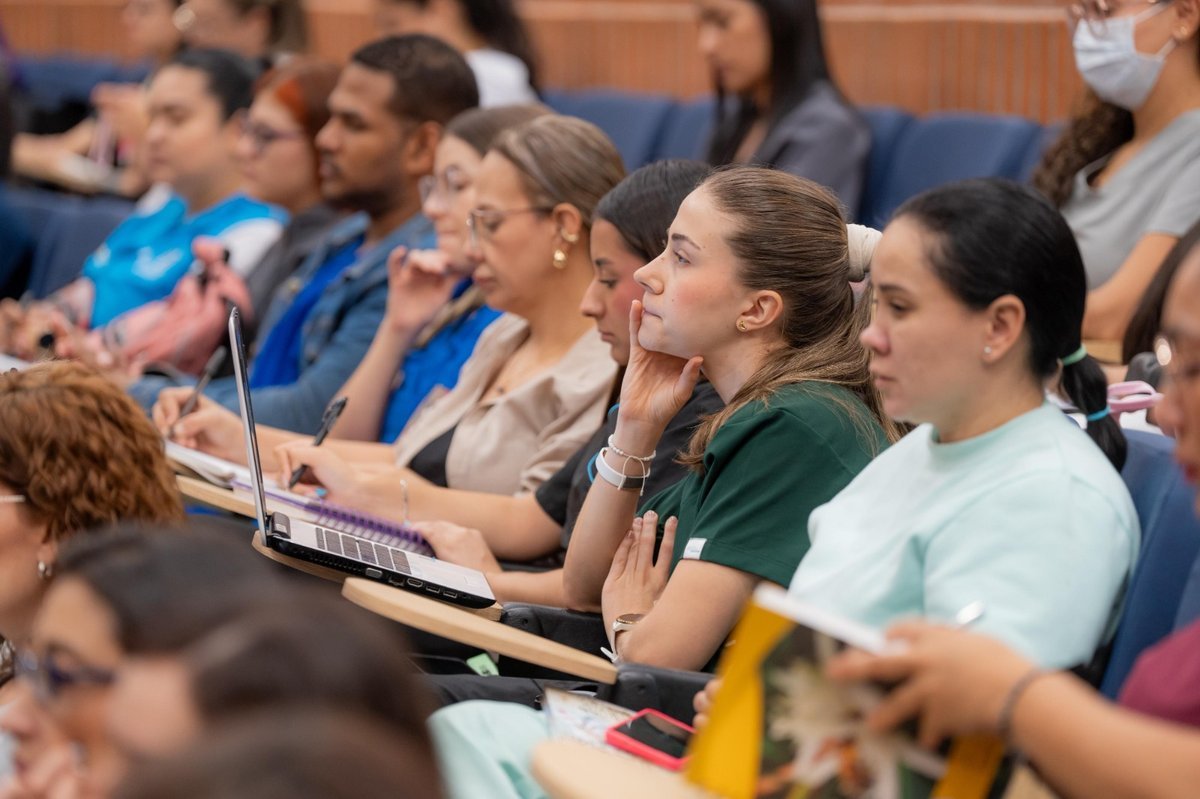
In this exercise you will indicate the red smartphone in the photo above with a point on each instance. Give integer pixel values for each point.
(652, 736)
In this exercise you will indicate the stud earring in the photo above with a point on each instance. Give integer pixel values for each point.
(560, 259)
(45, 570)
(741, 325)
(987, 350)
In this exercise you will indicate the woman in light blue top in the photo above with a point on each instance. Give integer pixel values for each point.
(995, 497)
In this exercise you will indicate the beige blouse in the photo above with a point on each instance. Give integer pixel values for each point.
(512, 443)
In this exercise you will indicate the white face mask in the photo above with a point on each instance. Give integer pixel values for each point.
(1112, 65)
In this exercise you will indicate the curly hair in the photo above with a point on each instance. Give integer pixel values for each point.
(1096, 129)
(81, 452)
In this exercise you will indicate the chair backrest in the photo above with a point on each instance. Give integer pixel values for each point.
(887, 124)
(634, 122)
(942, 148)
(687, 130)
(67, 235)
(1048, 135)
(1170, 544)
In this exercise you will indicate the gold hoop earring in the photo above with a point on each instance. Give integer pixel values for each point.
(560, 259)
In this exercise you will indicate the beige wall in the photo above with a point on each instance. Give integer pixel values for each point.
(1003, 57)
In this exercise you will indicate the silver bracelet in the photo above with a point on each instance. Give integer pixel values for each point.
(1004, 721)
(622, 481)
(628, 456)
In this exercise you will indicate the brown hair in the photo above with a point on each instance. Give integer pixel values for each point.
(303, 87)
(289, 26)
(480, 127)
(563, 159)
(300, 753)
(1096, 129)
(791, 238)
(81, 452)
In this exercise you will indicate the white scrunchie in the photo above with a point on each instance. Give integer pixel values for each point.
(861, 241)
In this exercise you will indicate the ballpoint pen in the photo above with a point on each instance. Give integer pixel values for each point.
(327, 422)
(210, 370)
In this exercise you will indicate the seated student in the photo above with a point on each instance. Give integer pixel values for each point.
(489, 34)
(103, 153)
(386, 117)
(958, 682)
(193, 130)
(267, 32)
(777, 104)
(1146, 322)
(629, 230)
(329, 754)
(537, 384)
(434, 313)
(994, 498)
(1126, 171)
(75, 453)
(278, 161)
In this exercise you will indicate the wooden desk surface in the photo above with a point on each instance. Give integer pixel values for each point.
(574, 770)
(475, 629)
(1104, 351)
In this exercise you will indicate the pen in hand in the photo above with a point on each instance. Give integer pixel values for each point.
(210, 371)
(327, 422)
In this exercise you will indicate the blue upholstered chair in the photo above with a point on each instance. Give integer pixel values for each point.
(634, 122)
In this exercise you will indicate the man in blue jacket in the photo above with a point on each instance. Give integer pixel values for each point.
(386, 117)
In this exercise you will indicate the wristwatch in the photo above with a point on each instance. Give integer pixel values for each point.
(625, 622)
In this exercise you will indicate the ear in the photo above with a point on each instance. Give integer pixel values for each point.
(419, 147)
(1005, 322)
(568, 224)
(764, 310)
(1187, 19)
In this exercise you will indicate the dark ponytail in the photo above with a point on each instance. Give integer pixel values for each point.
(998, 237)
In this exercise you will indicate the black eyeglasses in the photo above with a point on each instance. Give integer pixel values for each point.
(261, 136)
(50, 678)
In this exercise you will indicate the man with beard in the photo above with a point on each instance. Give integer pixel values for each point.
(386, 118)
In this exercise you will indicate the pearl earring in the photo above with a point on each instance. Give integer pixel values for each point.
(45, 570)
(987, 350)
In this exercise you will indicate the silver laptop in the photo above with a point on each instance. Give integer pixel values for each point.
(335, 549)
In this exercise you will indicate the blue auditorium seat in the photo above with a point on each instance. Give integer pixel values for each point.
(687, 130)
(1170, 545)
(634, 122)
(942, 148)
(886, 126)
(1033, 157)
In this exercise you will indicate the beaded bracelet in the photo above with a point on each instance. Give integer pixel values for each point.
(1004, 720)
(629, 456)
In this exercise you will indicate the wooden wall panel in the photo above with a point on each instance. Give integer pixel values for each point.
(1000, 56)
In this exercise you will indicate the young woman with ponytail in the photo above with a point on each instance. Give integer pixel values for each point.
(995, 497)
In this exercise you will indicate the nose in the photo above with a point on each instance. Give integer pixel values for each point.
(591, 306)
(648, 276)
(1169, 412)
(20, 720)
(706, 43)
(326, 139)
(874, 338)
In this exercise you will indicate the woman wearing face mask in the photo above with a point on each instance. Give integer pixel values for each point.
(777, 104)
(75, 453)
(1126, 171)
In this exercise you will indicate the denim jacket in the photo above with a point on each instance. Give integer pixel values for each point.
(337, 332)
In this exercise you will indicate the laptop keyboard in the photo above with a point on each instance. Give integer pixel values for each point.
(362, 550)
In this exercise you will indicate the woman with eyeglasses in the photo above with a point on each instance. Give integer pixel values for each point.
(75, 453)
(536, 387)
(1126, 171)
(194, 128)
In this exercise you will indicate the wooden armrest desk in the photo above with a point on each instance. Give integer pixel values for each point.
(574, 770)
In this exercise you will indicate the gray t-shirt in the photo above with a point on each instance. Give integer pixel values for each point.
(1156, 191)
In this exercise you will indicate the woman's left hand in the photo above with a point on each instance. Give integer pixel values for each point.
(635, 581)
(457, 544)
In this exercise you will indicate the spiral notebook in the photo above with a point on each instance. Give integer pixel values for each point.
(228, 474)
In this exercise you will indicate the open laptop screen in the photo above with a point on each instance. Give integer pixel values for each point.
(238, 347)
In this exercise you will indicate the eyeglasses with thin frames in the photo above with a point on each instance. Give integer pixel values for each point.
(1096, 13)
(482, 223)
(443, 189)
(262, 136)
(49, 678)
(11, 499)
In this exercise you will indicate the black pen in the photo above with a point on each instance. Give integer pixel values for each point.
(210, 371)
(327, 422)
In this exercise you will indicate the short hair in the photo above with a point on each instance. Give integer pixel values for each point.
(228, 76)
(81, 452)
(432, 82)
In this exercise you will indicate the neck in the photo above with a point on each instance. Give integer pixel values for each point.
(1175, 94)
(385, 222)
(731, 367)
(554, 321)
(201, 198)
(997, 403)
(302, 203)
